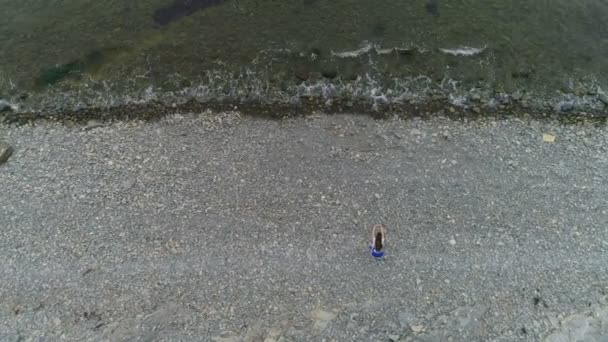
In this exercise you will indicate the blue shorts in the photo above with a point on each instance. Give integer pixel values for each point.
(376, 254)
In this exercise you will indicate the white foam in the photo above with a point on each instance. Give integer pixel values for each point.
(354, 53)
(463, 51)
(367, 47)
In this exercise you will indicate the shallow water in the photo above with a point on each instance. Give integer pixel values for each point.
(74, 54)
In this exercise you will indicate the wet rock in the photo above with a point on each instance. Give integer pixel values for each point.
(491, 103)
(503, 99)
(522, 72)
(329, 73)
(516, 96)
(302, 73)
(315, 51)
(566, 106)
(93, 124)
(314, 76)
(603, 97)
(6, 151)
(405, 52)
(378, 29)
(69, 123)
(580, 91)
(5, 107)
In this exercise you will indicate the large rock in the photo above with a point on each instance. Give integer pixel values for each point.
(5, 107)
(5, 152)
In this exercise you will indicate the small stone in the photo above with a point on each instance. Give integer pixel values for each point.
(415, 131)
(549, 138)
(516, 96)
(398, 135)
(93, 124)
(476, 97)
(322, 319)
(452, 110)
(273, 335)
(172, 244)
(417, 328)
(128, 184)
(57, 321)
(5, 152)
(603, 97)
(302, 73)
(406, 317)
(452, 242)
(15, 338)
(408, 97)
(394, 338)
(477, 110)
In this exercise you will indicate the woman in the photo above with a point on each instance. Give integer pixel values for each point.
(378, 235)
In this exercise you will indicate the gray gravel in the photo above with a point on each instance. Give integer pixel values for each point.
(229, 228)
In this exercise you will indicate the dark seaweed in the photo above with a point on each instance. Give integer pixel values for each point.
(59, 72)
(181, 8)
(432, 7)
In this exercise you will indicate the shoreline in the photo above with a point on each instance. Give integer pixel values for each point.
(308, 106)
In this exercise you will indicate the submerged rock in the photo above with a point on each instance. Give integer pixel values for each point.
(181, 8)
(432, 7)
(5, 107)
